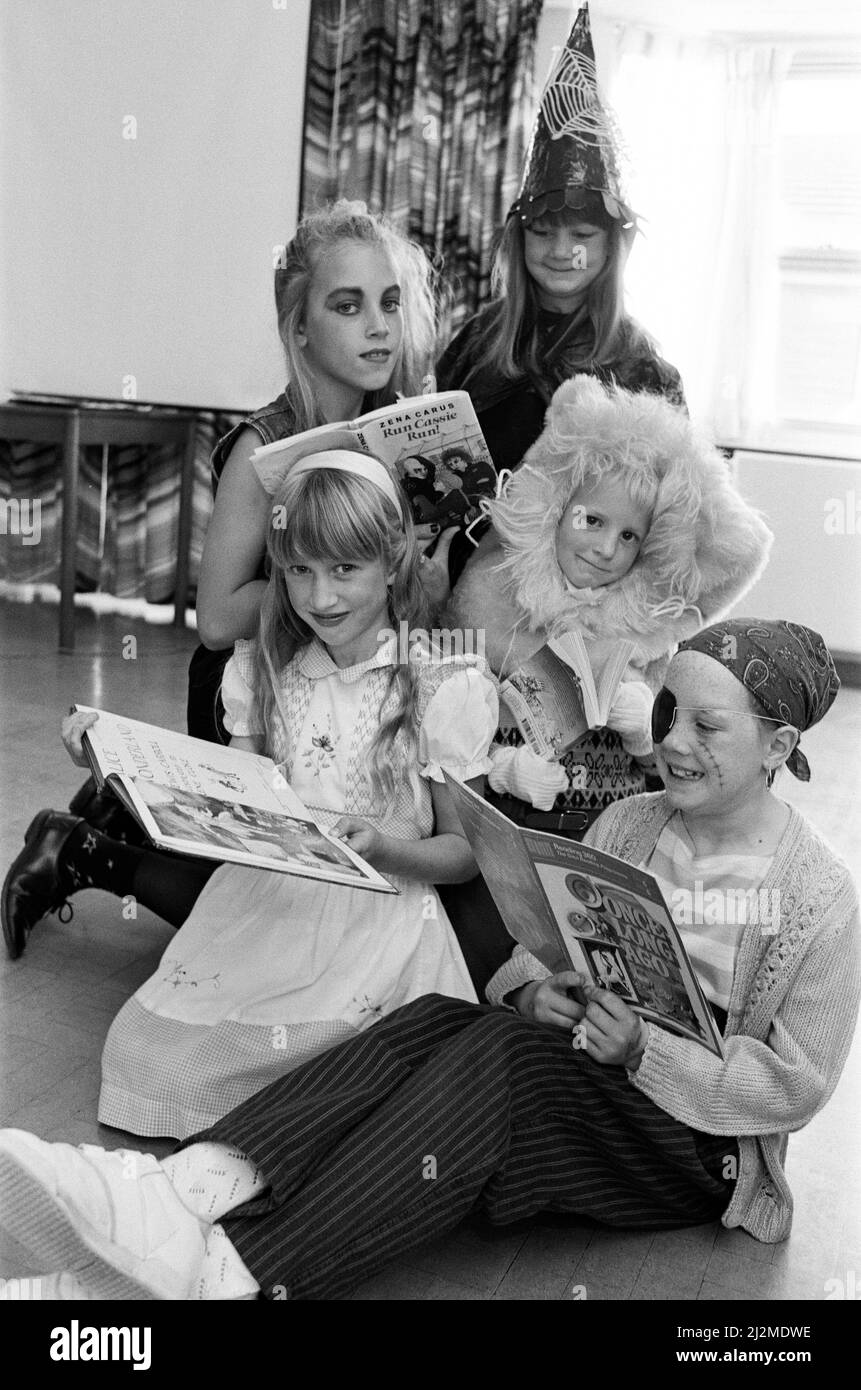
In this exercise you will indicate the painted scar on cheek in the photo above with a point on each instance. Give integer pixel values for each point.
(708, 757)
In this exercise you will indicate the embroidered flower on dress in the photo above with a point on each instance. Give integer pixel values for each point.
(368, 1007)
(321, 753)
(178, 975)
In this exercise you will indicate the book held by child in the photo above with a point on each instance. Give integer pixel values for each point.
(204, 799)
(576, 908)
(434, 443)
(563, 689)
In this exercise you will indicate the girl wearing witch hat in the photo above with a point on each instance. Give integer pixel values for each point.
(558, 306)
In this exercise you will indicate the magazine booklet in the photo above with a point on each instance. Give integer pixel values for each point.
(563, 689)
(214, 802)
(434, 443)
(575, 908)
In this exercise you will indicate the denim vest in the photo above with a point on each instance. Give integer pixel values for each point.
(277, 420)
(205, 714)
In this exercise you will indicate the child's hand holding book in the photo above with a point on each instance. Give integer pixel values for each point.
(434, 573)
(360, 835)
(559, 1000)
(614, 1034)
(73, 728)
(603, 1024)
(630, 715)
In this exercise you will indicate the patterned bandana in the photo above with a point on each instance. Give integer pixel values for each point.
(786, 667)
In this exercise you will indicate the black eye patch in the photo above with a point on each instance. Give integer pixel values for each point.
(663, 714)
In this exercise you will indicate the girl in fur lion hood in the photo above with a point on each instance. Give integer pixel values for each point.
(621, 523)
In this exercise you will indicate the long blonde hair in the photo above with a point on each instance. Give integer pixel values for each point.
(341, 516)
(511, 344)
(316, 235)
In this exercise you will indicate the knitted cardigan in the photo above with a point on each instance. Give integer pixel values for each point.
(791, 1014)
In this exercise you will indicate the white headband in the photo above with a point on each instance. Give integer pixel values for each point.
(350, 461)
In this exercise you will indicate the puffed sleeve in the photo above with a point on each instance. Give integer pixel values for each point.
(458, 727)
(238, 694)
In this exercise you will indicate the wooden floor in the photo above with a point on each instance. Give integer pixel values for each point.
(57, 1002)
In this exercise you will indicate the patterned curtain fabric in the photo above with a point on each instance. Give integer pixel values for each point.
(422, 108)
(136, 555)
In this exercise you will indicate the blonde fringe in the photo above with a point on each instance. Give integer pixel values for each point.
(511, 342)
(355, 519)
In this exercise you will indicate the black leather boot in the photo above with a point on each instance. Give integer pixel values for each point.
(105, 812)
(35, 884)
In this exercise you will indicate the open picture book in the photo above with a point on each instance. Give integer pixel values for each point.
(575, 908)
(214, 802)
(563, 689)
(433, 443)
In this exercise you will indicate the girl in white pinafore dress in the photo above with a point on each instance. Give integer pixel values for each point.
(270, 969)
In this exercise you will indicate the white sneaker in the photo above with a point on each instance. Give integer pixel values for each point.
(111, 1218)
(44, 1288)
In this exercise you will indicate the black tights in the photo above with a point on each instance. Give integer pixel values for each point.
(168, 884)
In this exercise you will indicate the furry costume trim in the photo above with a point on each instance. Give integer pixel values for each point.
(705, 547)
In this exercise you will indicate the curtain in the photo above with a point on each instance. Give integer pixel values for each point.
(699, 119)
(421, 108)
(743, 330)
(127, 531)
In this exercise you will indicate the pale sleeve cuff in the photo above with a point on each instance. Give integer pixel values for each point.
(458, 728)
(519, 969)
(238, 695)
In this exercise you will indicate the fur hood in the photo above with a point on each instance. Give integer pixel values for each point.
(704, 550)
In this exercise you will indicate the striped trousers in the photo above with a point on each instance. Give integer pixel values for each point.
(442, 1109)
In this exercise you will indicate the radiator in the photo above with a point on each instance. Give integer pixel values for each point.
(813, 506)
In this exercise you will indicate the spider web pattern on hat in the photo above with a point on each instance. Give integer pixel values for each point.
(576, 143)
(570, 101)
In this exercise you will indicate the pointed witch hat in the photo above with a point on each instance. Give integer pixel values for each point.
(574, 148)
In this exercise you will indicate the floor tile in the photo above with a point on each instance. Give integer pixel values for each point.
(614, 1258)
(737, 1272)
(581, 1290)
(406, 1284)
(723, 1293)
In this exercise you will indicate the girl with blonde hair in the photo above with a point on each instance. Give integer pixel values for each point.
(557, 306)
(355, 307)
(270, 969)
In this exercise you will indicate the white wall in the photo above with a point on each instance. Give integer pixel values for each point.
(814, 573)
(149, 257)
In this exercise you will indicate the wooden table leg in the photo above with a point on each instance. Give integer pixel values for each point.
(183, 542)
(68, 553)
